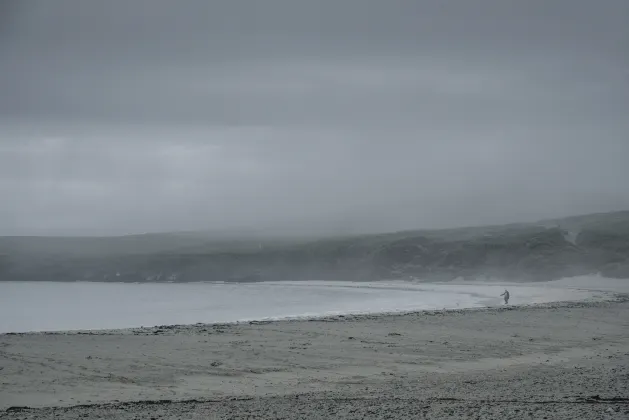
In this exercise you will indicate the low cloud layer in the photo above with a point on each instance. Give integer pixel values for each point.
(356, 116)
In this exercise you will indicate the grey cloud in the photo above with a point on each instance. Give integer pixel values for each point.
(362, 115)
(283, 62)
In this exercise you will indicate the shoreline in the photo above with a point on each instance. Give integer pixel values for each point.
(561, 360)
(476, 296)
(592, 301)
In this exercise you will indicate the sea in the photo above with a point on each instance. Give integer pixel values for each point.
(60, 306)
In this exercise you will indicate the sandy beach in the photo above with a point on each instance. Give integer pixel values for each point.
(560, 360)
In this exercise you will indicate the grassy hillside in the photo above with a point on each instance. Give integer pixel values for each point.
(535, 251)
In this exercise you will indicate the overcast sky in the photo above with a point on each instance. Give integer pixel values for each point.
(349, 115)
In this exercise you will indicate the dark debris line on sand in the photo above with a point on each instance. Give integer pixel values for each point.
(594, 399)
(308, 406)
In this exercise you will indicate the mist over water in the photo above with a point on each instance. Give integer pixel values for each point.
(52, 306)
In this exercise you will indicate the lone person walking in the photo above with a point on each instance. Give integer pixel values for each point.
(506, 295)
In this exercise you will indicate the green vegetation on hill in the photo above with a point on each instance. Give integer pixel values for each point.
(549, 249)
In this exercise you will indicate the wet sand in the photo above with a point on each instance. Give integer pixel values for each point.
(560, 360)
